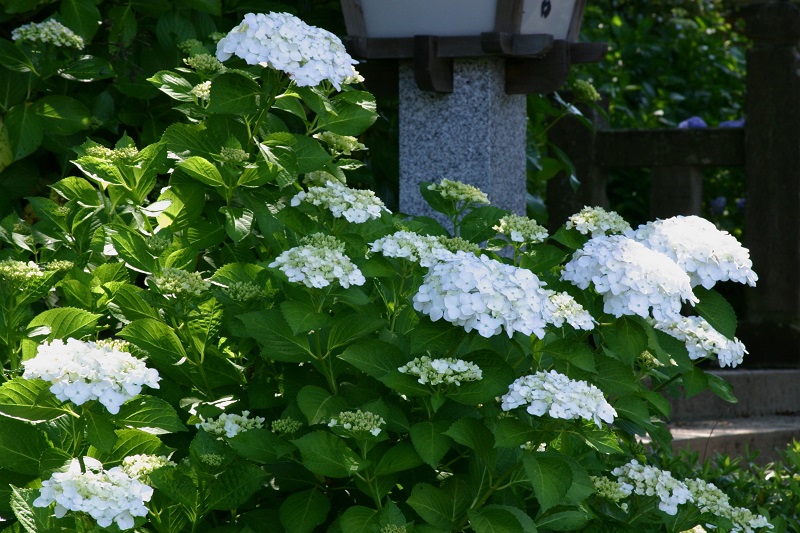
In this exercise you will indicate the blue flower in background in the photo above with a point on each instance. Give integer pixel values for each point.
(717, 205)
(693, 122)
(739, 123)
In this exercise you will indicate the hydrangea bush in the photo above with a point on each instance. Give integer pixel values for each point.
(215, 332)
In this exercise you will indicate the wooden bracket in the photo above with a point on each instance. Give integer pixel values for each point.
(431, 71)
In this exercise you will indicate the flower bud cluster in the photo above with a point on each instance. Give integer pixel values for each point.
(632, 278)
(115, 155)
(459, 192)
(230, 425)
(610, 489)
(702, 340)
(521, 229)
(392, 528)
(422, 249)
(584, 91)
(648, 480)
(559, 397)
(319, 262)
(354, 205)
(458, 244)
(18, 272)
(204, 63)
(483, 294)
(243, 291)
(108, 496)
(202, 91)
(445, 370)
(59, 265)
(704, 252)
(81, 371)
(140, 466)
(343, 144)
(177, 282)
(358, 422)
(233, 155)
(320, 178)
(560, 307)
(287, 426)
(597, 221)
(48, 32)
(309, 55)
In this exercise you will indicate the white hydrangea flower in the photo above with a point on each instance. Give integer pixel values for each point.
(483, 294)
(422, 249)
(318, 262)
(443, 370)
(611, 489)
(632, 278)
(702, 340)
(18, 272)
(354, 205)
(81, 371)
(459, 192)
(648, 480)
(343, 144)
(710, 499)
(706, 253)
(202, 91)
(48, 32)
(561, 307)
(230, 424)
(177, 282)
(358, 421)
(598, 222)
(140, 466)
(309, 55)
(108, 496)
(559, 397)
(521, 229)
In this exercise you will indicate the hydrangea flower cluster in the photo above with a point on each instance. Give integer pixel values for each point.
(48, 32)
(140, 466)
(482, 294)
(286, 426)
(243, 291)
(233, 155)
(59, 265)
(612, 490)
(521, 229)
(704, 252)
(343, 144)
(115, 155)
(559, 397)
(321, 177)
(177, 282)
(230, 424)
(422, 249)
(81, 371)
(204, 63)
(202, 91)
(445, 370)
(702, 340)
(459, 192)
(108, 496)
(318, 262)
(632, 278)
(560, 307)
(308, 55)
(358, 421)
(458, 244)
(18, 272)
(597, 221)
(648, 480)
(354, 205)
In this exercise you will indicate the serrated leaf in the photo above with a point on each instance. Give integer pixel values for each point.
(260, 446)
(494, 520)
(359, 519)
(573, 352)
(129, 442)
(348, 328)
(570, 520)
(302, 317)
(233, 93)
(318, 405)
(177, 485)
(21, 445)
(30, 400)
(721, 388)
(325, 454)
(65, 322)
(430, 441)
(149, 412)
(310, 154)
(626, 339)
(550, 475)
(511, 433)
(434, 337)
(303, 511)
(373, 357)
(355, 112)
(234, 486)
(99, 430)
(716, 310)
(238, 222)
(277, 340)
(400, 457)
(434, 506)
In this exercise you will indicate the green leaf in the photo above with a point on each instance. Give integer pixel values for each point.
(176, 484)
(571, 238)
(430, 441)
(373, 357)
(281, 161)
(237, 272)
(634, 408)
(233, 93)
(716, 310)
(88, 68)
(62, 115)
(202, 170)
(132, 248)
(238, 222)
(65, 322)
(540, 258)
(303, 511)
(166, 350)
(260, 446)
(124, 26)
(358, 519)
(151, 414)
(318, 405)
(277, 340)
(436, 201)
(234, 486)
(30, 400)
(400, 457)
(24, 130)
(129, 442)
(99, 430)
(499, 519)
(721, 388)
(573, 352)
(80, 16)
(302, 317)
(435, 337)
(13, 58)
(127, 302)
(626, 339)
(35, 519)
(477, 225)
(602, 440)
(204, 328)
(355, 112)
(512, 433)
(694, 381)
(348, 328)
(435, 506)
(212, 7)
(570, 520)
(21, 445)
(310, 154)
(615, 378)
(471, 432)
(325, 454)
(551, 477)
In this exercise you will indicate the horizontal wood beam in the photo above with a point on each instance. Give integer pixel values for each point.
(487, 44)
(706, 147)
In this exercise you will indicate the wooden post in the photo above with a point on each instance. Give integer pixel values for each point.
(675, 191)
(772, 216)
